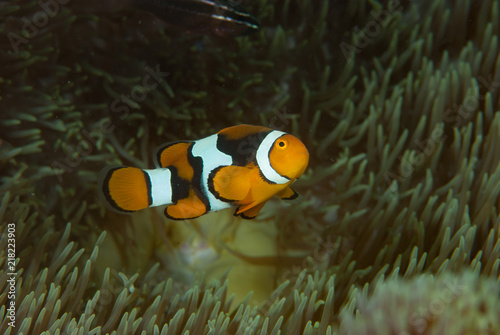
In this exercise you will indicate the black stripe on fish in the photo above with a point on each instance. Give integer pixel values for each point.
(197, 165)
(148, 188)
(180, 187)
(241, 150)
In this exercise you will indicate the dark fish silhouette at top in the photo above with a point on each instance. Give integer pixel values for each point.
(214, 17)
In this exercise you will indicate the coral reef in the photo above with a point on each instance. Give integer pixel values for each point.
(398, 103)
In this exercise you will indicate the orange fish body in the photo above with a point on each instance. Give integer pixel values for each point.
(241, 166)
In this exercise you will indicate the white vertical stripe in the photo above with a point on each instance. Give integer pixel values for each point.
(263, 158)
(206, 148)
(161, 189)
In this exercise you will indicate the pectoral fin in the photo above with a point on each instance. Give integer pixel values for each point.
(288, 194)
(250, 213)
(230, 183)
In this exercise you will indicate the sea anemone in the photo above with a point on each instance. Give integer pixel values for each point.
(447, 304)
(397, 102)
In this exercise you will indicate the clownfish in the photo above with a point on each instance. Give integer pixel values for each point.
(239, 167)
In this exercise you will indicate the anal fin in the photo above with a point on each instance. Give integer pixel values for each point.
(187, 208)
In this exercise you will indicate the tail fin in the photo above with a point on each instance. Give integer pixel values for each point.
(125, 189)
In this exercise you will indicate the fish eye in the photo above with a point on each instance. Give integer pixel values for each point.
(282, 144)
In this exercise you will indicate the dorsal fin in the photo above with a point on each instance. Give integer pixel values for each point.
(242, 130)
(168, 153)
(175, 154)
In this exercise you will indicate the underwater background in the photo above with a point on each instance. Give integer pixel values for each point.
(395, 231)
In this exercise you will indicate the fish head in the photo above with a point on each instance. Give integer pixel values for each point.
(289, 156)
